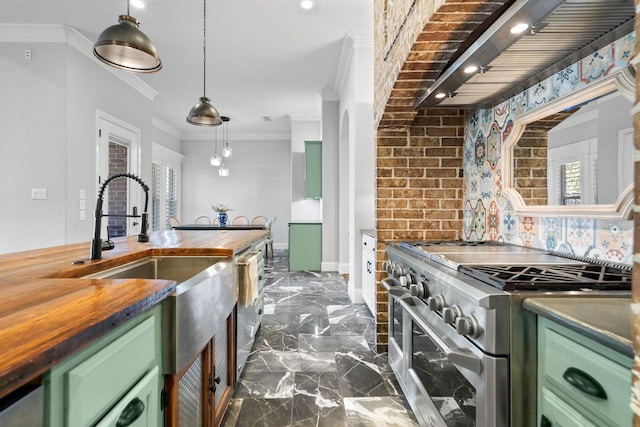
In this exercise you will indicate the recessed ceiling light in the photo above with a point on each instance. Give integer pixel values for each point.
(519, 28)
(137, 3)
(307, 4)
(471, 69)
(441, 95)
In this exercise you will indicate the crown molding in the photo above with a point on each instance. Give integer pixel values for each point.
(240, 137)
(350, 43)
(166, 127)
(303, 118)
(47, 33)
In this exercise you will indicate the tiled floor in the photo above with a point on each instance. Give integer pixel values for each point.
(314, 361)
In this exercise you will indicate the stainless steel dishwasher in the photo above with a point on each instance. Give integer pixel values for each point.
(26, 410)
(249, 312)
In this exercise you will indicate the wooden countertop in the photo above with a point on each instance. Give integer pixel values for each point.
(48, 311)
(605, 320)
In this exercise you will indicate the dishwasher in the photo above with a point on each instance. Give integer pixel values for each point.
(250, 309)
(24, 410)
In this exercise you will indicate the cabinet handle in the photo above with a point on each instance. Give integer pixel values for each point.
(130, 413)
(545, 422)
(584, 382)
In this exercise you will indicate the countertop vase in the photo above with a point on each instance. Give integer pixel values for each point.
(222, 219)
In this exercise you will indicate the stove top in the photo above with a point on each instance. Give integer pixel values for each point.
(516, 268)
(556, 277)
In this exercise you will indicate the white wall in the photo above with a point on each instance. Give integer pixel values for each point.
(303, 209)
(259, 182)
(48, 135)
(32, 136)
(331, 180)
(356, 131)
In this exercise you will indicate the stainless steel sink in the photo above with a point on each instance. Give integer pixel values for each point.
(205, 295)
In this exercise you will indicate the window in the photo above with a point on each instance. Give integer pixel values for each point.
(572, 173)
(165, 187)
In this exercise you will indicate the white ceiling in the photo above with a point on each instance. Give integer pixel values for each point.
(264, 57)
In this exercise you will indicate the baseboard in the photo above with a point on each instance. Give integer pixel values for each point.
(343, 268)
(329, 266)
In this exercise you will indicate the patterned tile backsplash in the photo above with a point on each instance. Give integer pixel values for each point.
(489, 215)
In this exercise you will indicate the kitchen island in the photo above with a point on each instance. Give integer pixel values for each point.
(49, 311)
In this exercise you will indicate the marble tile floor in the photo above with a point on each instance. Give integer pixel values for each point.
(314, 362)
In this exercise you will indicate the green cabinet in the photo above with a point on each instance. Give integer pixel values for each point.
(113, 377)
(580, 381)
(313, 169)
(305, 246)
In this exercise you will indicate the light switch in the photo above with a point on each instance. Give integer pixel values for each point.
(38, 194)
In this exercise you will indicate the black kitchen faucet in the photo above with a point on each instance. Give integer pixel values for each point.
(96, 242)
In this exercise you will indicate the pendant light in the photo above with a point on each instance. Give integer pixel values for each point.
(226, 150)
(203, 113)
(124, 46)
(223, 171)
(216, 160)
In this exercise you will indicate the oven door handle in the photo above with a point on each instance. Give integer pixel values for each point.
(390, 286)
(458, 356)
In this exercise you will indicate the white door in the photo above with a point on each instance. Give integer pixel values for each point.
(118, 152)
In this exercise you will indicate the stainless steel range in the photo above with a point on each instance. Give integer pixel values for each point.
(460, 344)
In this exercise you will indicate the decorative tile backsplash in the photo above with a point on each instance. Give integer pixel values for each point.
(489, 215)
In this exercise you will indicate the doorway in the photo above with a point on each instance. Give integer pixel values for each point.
(118, 152)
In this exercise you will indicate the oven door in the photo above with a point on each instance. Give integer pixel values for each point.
(396, 353)
(449, 381)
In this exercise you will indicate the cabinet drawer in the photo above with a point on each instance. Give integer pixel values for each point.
(556, 412)
(369, 244)
(573, 368)
(140, 405)
(97, 383)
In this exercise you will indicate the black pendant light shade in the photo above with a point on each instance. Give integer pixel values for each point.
(124, 46)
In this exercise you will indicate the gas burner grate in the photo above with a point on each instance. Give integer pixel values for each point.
(556, 277)
(426, 243)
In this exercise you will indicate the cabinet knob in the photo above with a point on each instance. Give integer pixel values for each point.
(130, 413)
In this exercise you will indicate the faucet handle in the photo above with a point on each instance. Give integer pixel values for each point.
(144, 228)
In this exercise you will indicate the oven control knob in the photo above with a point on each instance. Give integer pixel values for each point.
(398, 272)
(385, 266)
(389, 268)
(468, 326)
(418, 290)
(450, 314)
(435, 303)
(403, 281)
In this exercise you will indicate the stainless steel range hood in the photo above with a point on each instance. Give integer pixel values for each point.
(560, 32)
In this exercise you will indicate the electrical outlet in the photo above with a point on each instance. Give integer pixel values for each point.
(82, 215)
(38, 194)
(27, 54)
(83, 204)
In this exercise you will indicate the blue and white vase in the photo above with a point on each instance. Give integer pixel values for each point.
(222, 219)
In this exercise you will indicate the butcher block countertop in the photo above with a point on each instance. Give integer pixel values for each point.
(47, 311)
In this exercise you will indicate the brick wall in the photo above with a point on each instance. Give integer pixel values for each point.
(530, 166)
(419, 188)
(117, 191)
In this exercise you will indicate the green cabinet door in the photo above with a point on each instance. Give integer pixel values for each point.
(305, 246)
(313, 169)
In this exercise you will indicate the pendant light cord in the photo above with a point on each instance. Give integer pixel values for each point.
(204, 47)
(128, 13)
